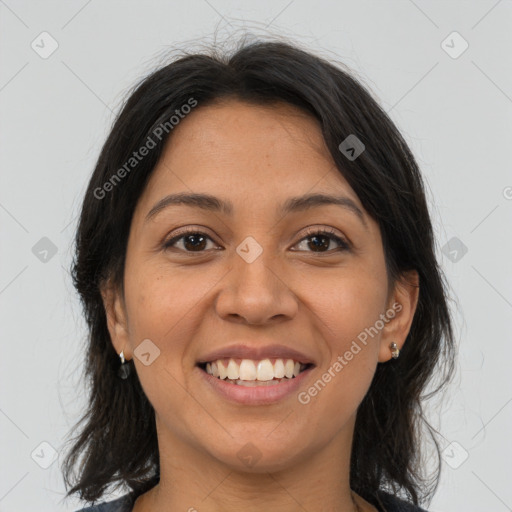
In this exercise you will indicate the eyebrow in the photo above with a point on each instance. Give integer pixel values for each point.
(211, 203)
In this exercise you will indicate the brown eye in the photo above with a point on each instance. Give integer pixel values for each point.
(320, 241)
(193, 241)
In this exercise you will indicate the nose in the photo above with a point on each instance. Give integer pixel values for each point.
(256, 293)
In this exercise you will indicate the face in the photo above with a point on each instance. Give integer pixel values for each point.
(198, 280)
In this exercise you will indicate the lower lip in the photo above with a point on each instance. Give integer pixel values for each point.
(257, 395)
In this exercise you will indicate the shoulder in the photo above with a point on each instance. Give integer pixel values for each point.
(122, 504)
(393, 503)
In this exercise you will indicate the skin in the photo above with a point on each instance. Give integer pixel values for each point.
(190, 303)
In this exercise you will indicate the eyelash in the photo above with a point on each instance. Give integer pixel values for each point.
(344, 245)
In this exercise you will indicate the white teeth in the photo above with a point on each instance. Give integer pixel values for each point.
(265, 370)
(247, 370)
(222, 370)
(233, 370)
(288, 368)
(279, 369)
(257, 383)
(250, 370)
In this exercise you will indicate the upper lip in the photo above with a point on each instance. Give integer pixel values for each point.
(256, 353)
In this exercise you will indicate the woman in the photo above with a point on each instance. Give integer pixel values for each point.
(256, 262)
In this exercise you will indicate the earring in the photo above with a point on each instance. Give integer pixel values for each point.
(395, 351)
(124, 369)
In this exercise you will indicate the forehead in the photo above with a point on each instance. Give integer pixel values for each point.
(246, 151)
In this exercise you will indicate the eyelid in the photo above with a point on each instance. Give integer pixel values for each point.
(330, 232)
(188, 230)
(344, 243)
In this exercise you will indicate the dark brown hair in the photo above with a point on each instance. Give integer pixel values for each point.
(109, 448)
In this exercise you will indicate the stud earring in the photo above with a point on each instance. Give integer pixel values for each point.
(124, 369)
(395, 351)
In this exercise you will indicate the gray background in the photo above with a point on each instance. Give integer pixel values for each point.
(456, 113)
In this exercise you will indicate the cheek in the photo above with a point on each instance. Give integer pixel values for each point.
(345, 317)
(348, 312)
(161, 308)
(349, 305)
(167, 305)
(155, 301)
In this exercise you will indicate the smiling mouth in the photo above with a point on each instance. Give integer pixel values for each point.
(251, 373)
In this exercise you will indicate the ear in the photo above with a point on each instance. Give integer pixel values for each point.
(115, 311)
(402, 302)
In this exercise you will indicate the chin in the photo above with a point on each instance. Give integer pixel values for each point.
(257, 456)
